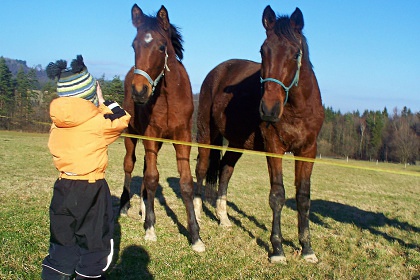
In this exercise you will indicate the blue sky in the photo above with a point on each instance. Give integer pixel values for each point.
(365, 53)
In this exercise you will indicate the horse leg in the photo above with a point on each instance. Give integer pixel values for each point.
(129, 161)
(150, 181)
(303, 172)
(276, 201)
(187, 193)
(200, 173)
(227, 166)
(143, 196)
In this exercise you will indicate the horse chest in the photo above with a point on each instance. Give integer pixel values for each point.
(289, 135)
(168, 115)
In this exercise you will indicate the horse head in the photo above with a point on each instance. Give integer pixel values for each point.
(281, 55)
(151, 51)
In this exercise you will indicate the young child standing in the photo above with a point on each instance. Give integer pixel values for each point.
(81, 214)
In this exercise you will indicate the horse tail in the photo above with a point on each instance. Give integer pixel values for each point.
(212, 175)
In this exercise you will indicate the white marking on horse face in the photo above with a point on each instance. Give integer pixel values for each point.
(148, 38)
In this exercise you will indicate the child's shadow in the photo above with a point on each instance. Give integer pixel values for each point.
(132, 265)
(132, 262)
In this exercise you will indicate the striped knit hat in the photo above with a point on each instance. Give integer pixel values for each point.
(74, 82)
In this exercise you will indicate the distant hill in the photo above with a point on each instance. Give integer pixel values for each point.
(15, 64)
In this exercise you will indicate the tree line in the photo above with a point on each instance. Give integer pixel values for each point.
(371, 135)
(24, 99)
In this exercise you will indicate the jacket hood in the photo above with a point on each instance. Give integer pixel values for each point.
(71, 111)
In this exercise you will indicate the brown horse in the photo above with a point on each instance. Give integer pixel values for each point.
(159, 98)
(274, 106)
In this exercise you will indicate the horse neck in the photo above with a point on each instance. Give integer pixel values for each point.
(177, 78)
(307, 92)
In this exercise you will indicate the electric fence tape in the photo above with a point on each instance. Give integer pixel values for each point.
(259, 153)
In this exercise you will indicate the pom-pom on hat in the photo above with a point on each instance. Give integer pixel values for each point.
(75, 81)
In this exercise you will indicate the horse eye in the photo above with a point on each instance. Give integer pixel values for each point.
(162, 48)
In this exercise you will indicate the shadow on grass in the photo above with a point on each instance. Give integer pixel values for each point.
(360, 218)
(133, 261)
(136, 182)
(174, 184)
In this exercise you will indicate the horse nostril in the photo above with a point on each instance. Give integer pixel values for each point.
(263, 108)
(140, 93)
(275, 112)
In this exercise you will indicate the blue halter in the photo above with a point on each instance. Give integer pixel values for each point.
(155, 82)
(294, 82)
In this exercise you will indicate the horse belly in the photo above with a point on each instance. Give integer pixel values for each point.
(237, 120)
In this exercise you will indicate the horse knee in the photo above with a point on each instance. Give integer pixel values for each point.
(201, 168)
(303, 202)
(187, 188)
(277, 200)
(129, 162)
(151, 181)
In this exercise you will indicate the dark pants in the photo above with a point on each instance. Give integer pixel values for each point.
(81, 227)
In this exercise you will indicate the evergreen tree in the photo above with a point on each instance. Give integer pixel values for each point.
(6, 89)
(114, 90)
(21, 98)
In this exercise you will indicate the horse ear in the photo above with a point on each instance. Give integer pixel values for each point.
(296, 21)
(136, 16)
(163, 18)
(269, 18)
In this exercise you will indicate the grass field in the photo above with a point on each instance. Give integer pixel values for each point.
(364, 224)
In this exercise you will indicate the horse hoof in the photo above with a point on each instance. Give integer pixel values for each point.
(225, 223)
(311, 258)
(123, 212)
(150, 235)
(199, 246)
(278, 259)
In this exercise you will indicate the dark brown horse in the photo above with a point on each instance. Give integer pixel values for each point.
(159, 98)
(274, 106)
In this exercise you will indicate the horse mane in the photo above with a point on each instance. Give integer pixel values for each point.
(283, 29)
(151, 22)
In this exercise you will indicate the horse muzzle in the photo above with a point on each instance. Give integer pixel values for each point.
(270, 114)
(141, 94)
(141, 89)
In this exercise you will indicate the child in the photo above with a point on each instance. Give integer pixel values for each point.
(81, 214)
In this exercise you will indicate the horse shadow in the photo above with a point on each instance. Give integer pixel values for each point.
(208, 212)
(135, 190)
(339, 212)
(362, 219)
(134, 259)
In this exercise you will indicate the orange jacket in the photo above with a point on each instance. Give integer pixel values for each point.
(80, 135)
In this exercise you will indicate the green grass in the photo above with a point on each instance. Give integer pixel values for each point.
(364, 224)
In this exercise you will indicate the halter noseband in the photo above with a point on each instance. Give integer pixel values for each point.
(294, 82)
(147, 76)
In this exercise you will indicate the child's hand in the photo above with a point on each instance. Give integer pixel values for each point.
(99, 93)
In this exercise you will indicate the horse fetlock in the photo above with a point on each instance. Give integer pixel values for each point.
(124, 209)
(198, 207)
(221, 212)
(142, 210)
(150, 234)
